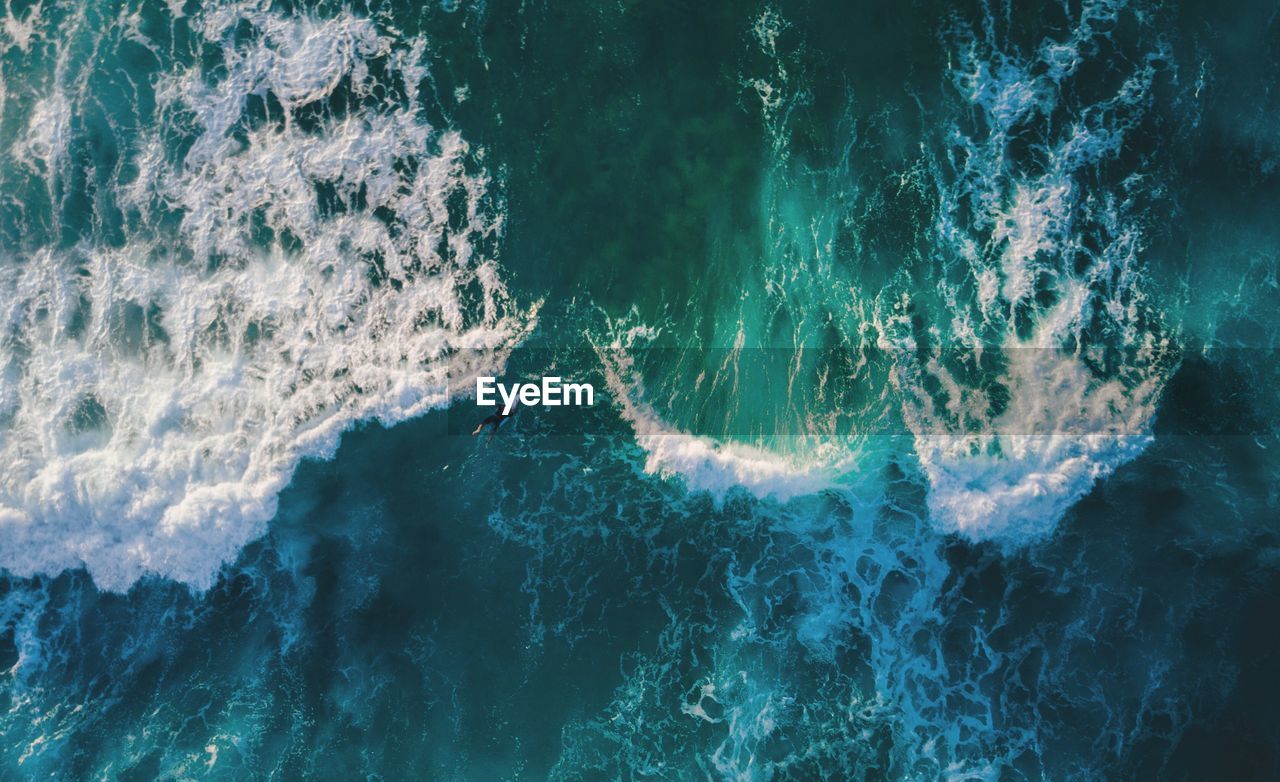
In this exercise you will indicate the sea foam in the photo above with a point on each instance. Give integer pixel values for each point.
(280, 280)
(1051, 282)
(703, 464)
(1031, 365)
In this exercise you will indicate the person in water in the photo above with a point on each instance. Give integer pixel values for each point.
(496, 421)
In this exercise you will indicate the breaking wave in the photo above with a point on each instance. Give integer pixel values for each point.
(1023, 354)
(1041, 287)
(300, 250)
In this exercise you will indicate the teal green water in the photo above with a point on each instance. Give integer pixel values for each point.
(934, 352)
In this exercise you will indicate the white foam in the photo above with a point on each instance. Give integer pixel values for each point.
(705, 464)
(156, 397)
(995, 469)
(1011, 472)
(20, 31)
(48, 135)
(1064, 430)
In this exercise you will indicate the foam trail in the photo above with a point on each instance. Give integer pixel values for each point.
(1049, 281)
(282, 280)
(1030, 366)
(703, 463)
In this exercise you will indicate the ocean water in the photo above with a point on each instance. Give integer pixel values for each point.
(934, 348)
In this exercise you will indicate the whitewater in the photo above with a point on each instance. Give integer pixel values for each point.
(290, 269)
(286, 270)
(1040, 281)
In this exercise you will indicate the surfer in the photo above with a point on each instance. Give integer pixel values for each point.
(496, 421)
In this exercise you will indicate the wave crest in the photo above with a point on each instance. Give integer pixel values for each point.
(286, 273)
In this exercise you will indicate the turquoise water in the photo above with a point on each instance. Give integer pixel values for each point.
(934, 351)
